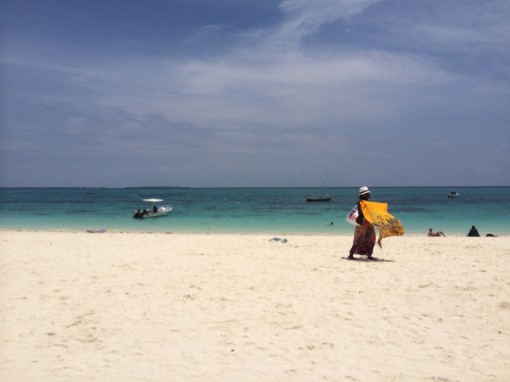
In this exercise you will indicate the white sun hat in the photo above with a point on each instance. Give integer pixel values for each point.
(364, 190)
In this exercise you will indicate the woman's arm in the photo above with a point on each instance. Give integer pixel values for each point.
(361, 218)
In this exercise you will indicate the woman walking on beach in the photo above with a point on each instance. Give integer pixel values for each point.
(364, 234)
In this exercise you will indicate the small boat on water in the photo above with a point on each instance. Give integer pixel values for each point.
(322, 198)
(453, 194)
(153, 209)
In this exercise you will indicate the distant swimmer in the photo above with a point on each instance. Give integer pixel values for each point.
(435, 234)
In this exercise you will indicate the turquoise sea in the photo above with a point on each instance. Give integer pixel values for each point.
(246, 210)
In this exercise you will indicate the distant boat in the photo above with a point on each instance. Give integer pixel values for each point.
(453, 194)
(323, 198)
(154, 210)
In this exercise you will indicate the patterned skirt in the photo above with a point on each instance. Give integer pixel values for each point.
(364, 240)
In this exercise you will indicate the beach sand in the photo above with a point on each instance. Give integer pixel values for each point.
(230, 307)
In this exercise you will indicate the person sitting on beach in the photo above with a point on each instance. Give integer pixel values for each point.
(435, 234)
(473, 232)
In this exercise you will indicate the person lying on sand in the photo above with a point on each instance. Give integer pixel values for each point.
(435, 234)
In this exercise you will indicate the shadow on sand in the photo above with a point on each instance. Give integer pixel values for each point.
(372, 260)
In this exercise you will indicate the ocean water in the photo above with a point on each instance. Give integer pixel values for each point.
(252, 210)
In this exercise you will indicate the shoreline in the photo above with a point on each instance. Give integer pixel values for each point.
(273, 233)
(231, 307)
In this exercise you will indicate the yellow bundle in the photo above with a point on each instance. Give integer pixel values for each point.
(378, 215)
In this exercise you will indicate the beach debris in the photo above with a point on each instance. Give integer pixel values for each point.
(278, 239)
(96, 230)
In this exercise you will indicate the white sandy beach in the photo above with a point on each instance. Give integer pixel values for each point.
(230, 307)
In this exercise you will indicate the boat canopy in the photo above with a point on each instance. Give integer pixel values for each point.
(152, 200)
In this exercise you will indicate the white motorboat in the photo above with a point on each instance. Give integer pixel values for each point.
(453, 194)
(153, 209)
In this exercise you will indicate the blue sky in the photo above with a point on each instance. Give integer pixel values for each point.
(229, 93)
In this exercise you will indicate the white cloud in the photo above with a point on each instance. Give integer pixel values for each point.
(285, 90)
(204, 33)
(303, 18)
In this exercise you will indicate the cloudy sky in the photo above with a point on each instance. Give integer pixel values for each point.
(223, 93)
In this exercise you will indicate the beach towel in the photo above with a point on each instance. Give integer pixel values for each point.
(378, 215)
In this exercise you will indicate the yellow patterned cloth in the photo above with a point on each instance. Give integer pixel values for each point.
(378, 215)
